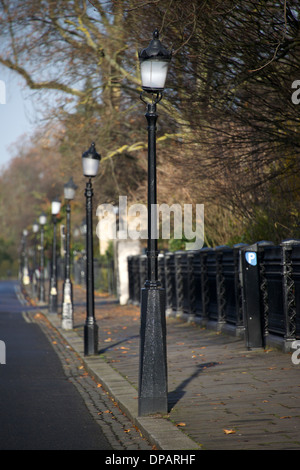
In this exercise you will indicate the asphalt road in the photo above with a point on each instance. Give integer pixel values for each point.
(39, 408)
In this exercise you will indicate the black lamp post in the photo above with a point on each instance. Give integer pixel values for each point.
(67, 306)
(153, 387)
(25, 271)
(55, 208)
(35, 229)
(42, 222)
(82, 261)
(90, 165)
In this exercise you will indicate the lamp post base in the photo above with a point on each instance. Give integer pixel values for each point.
(34, 286)
(53, 297)
(90, 339)
(42, 297)
(153, 387)
(53, 304)
(67, 306)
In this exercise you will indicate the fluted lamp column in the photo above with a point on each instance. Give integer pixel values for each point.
(67, 305)
(35, 229)
(90, 165)
(25, 271)
(42, 222)
(55, 208)
(153, 386)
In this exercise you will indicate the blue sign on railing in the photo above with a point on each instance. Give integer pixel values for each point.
(251, 257)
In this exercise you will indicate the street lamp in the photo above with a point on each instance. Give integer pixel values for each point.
(90, 165)
(67, 306)
(42, 222)
(25, 270)
(154, 62)
(55, 208)
(35, 229)
(153, 387)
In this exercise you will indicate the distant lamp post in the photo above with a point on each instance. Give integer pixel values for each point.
(25, 270)
(55, 208)
(153, 387)
(35, 229)
(67, 306)
(90, 165)
(42, 222)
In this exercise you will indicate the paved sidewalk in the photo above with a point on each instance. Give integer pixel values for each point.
(221, 396)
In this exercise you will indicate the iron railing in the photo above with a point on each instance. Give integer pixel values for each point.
(206, 286)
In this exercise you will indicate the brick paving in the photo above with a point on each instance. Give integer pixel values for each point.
(221, 395)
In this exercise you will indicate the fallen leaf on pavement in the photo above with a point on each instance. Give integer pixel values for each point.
(229, 431)
(180, 424)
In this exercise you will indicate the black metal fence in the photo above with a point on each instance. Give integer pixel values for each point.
(220, 288)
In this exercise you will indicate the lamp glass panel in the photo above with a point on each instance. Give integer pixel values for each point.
(55, 207)
(42, 219)
(154, 74)
(69, 193)
(90, 166)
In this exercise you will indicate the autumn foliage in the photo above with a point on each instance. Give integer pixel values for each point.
(227, 129)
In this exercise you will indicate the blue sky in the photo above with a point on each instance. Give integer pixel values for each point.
(17, 115)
